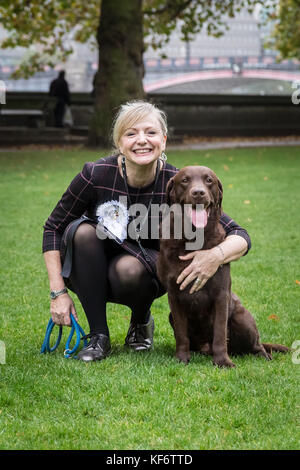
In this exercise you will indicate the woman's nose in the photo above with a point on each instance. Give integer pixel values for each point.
(141, 138)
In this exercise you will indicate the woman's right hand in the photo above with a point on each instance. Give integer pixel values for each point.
(60, 309)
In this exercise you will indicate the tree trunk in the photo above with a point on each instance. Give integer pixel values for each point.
(121, 69)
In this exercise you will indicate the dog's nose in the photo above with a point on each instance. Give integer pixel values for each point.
(198, 192)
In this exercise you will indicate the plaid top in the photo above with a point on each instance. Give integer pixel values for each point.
(101, 181)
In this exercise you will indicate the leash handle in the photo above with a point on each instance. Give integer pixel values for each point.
(46, 343)
(79, 332)
(68, 352)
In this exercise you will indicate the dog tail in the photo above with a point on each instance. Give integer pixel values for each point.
(269, 347)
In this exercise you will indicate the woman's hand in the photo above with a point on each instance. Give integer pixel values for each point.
(60, 309)
(206, 262)
(203, 266)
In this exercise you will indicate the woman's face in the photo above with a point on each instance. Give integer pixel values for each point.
(143, 143)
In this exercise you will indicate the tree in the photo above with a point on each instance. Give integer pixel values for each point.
(44, 27)
(121, 70)
(286, 33)
(122, 29)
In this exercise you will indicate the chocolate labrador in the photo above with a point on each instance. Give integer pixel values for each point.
(211, 320)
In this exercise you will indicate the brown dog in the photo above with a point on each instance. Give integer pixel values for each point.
(211, 320)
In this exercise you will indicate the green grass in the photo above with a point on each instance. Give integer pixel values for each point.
(150, 401)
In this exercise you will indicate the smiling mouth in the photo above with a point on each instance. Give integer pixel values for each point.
(142, 151)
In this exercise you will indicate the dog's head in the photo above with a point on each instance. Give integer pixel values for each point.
(194, 185)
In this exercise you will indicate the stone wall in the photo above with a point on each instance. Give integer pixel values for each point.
(229, 115)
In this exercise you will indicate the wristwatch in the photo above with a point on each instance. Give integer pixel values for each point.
(56, 293)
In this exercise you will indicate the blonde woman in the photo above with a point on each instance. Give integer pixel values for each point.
(86, 245)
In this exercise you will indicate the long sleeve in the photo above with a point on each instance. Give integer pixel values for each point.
(72, 205)
(232, 228)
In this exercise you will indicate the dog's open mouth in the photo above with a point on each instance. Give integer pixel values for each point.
(198, 216)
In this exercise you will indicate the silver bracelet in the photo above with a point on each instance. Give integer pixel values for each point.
(221, 249)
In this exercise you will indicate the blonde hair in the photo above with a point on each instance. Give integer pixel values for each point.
(132, 112)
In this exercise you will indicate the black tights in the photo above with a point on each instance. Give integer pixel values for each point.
(103, 272)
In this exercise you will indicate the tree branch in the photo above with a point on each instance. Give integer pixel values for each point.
(168, 7)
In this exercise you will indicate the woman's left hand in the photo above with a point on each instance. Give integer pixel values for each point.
(203, 266)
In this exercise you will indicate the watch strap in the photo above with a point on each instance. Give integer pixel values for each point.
(55, 293)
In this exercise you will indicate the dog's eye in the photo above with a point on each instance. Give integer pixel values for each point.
(184, 180)
(209, 180)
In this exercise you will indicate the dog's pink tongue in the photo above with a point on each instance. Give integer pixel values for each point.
(199, 218)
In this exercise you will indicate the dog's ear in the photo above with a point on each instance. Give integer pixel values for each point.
(219, 203)
(170, 192)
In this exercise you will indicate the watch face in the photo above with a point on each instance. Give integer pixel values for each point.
(52, 295)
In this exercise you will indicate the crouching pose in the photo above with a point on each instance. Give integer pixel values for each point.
(87, 245)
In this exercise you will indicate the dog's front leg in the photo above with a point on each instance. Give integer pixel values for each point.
(219, 346)
(180, 326)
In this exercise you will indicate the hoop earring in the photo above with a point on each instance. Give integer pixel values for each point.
(164, 157)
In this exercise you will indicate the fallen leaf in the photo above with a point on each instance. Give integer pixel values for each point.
(230, 186)
(273, 317)
(266, 178)
(246, 202)
(297, 282)
(226, 168)
(230, 159)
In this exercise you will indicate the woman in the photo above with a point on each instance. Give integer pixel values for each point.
(98, 269)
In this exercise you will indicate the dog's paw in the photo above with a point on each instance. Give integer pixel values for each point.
(267, 356)
(263, 353)
(223, 361)
(183, 357)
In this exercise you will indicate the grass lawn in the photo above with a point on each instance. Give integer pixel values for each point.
(150, 401)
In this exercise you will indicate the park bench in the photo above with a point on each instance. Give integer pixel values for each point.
(22, 117)
(27, 109)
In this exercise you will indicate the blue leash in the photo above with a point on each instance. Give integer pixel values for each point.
(67, 352)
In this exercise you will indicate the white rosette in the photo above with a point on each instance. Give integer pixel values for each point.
(113, 218)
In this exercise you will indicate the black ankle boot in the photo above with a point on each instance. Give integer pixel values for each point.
(97, 349)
